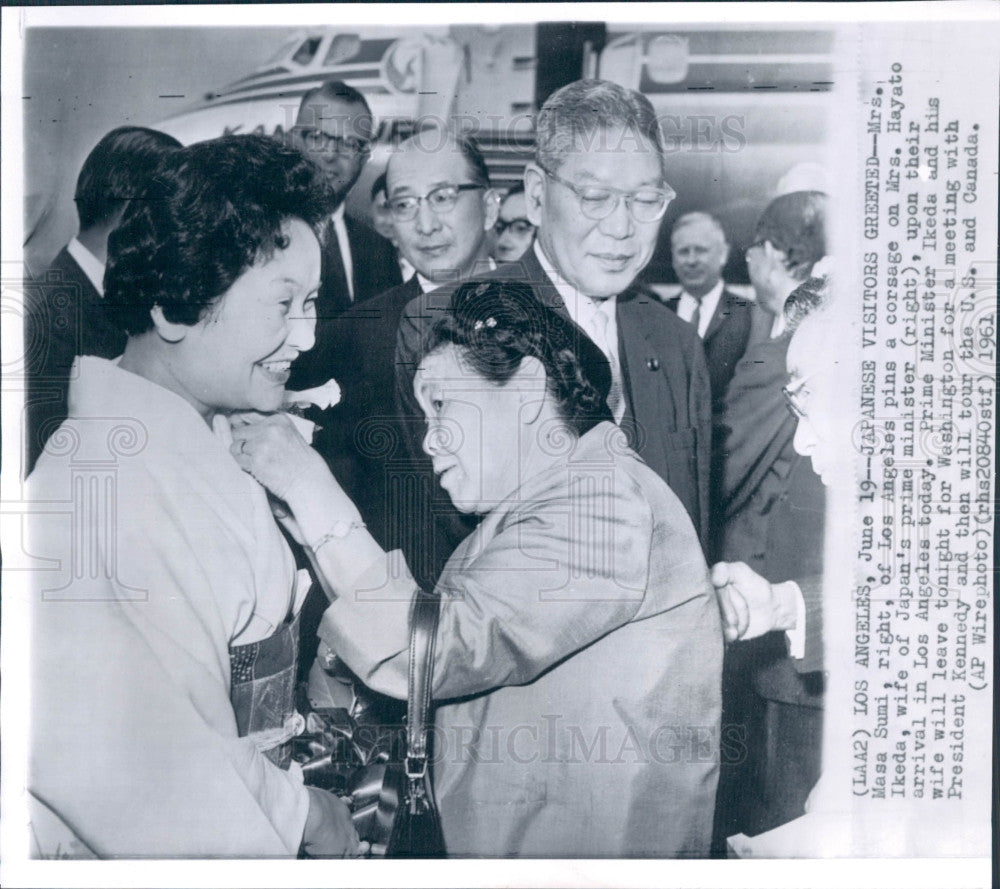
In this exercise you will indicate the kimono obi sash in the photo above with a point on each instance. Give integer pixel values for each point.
(262, 691)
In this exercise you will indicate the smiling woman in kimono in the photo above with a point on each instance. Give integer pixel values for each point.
(578, 656)
(165, 622)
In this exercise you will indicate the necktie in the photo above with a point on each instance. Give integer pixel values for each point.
(344, 245)
(335, 292)
(696, 316)
(616, 396)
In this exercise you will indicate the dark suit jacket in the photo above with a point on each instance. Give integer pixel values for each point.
(360, 439)
(668, 405)
(725, 340)
(375, 270)
(65, 316)
(771, 502)
(774, 508)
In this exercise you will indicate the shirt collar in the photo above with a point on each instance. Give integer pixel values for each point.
(92, 267)
(706, 306)
(581, 308)
(482, 266)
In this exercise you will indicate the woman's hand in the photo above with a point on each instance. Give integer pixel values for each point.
(272, 450)
(329, 831)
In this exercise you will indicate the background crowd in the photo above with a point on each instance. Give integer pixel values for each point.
(526, 426)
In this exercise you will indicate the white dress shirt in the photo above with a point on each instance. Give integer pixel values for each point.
(480, 268)
(340, 227)
(596, 317)
(406, 268)
(92, 267)
(708, 304)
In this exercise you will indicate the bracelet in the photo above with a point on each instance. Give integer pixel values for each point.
(338, 531)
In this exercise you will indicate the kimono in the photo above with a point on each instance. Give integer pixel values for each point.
(161, 559)
(577, 666)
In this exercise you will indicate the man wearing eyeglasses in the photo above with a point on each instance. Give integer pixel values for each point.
(335, 129)
(513, 233)
(441, 206)
(597, 193)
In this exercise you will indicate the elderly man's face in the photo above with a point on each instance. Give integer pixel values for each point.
(598, 257)
(337, 135)
(699, 253)
(822, 400)
(442, 244)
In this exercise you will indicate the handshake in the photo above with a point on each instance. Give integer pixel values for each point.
(750, 605)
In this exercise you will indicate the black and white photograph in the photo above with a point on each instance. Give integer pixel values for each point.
(499, 444)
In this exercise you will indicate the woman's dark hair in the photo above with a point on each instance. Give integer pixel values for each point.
(497, 324)
(116, 171)
(209, 212)
(795, 223)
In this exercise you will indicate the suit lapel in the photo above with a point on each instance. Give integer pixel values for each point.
(729, 304)
(643, 363)
(647, 394)
(723, 309)
(97, 325)
(411, 288)
(530, 270)
(90, 294)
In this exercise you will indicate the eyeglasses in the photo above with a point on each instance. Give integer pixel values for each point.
(519, 226)
(326, 143)
(441, 200)
(599, 201)
(795, 396)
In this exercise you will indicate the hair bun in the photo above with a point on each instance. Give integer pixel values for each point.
(499, 323)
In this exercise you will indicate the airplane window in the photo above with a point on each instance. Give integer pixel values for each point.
(304, 54)
(284, 52)
(342, 48)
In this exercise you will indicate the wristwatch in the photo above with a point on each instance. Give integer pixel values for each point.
(338, 531)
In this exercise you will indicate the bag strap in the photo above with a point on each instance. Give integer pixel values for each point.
(423, 631)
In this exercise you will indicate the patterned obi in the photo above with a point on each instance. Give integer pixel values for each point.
(262, 691)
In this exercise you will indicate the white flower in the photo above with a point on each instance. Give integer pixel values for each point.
(323, 397)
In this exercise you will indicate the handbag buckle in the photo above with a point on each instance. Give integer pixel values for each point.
(416, 767)
(416, 796)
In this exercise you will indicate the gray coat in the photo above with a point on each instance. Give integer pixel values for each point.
(577, 666)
